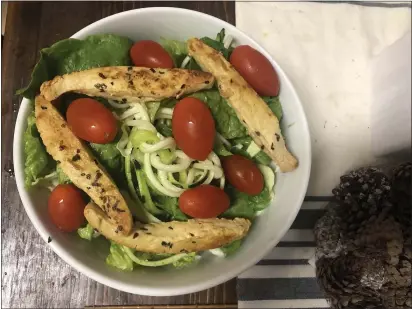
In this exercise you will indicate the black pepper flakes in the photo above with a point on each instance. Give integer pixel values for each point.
(193, 242)
(88, 188)
(78, 151)
(63, 125)
(272, 146)
(207, 82)
(152, 70)
(144, 229)
(62, 147)
(124, 100)
(111, 83)
(131, 83)
(191, 234)
(49, 240)
(167, 244)
(170, 228)
(135, 235)
(76, 157)
(101, 87)
(102, 75)
(43, 107)
(88, 176)
(262, 147)
(183, 86)
(82, 174)
(257, 133)
(148, 233)
(152, 92)
(160, 72)
(277, 137)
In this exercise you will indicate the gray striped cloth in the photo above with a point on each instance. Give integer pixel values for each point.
(284, 278)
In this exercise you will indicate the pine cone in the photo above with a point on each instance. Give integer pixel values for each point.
(364, 193)
(363, 241)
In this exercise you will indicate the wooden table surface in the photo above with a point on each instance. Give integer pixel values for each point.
(32, 275)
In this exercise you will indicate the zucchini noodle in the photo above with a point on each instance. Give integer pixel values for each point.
(185, 62)
(164, 113)
(167, 184)
(173, 168)
(168, 142)
(118, 105)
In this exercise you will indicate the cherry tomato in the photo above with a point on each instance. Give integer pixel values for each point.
(91, 121)
(256, 70)
(150, 54)
(205, 201)
(243, 174)
(66, 206)
(193, 128)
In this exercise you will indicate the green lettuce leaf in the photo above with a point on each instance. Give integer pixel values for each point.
(111, 158)
(275, 105)
(232, 247)
(246, 206)
(261, 157)
(61, 176)
(187, 260)
(218, 44)
(226, 121)
(72, 55)
(86, 232)
(220, 149)
(38, 162)
(171, 207)
(176, 49)
(119, 258)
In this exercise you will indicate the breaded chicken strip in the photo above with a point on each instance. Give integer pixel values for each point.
(260, 121)
(128, 84)
(171, 237)
(80, 165)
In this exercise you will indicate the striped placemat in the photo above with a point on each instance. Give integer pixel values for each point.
(284, 278)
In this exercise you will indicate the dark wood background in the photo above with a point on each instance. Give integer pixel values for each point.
(32, 275)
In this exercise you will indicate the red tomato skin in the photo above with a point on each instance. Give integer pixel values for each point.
(193, 128)
(91, 121)
(66, 206)
(205, 201)
(243, 174)
(256, 70)
(150, 54)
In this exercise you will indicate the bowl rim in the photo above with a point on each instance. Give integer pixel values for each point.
(140, 289)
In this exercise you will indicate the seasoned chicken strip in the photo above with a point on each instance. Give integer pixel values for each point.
(260, 121)
(171, 237)
(129, 84)
(80, 165)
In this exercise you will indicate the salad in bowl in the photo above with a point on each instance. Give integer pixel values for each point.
(147, 156)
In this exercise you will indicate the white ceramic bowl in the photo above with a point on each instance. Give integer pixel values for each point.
(268, 229)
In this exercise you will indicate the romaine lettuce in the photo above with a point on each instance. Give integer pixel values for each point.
(72, 55)
(119, 258)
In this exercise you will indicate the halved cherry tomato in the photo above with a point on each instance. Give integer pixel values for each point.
(256, 70)
(91, 121)
(205, 201)
(193, 128)
(66, 206)
(150, 54)
(243, 174)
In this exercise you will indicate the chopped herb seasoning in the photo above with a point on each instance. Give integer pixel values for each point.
(148, 233)
(76, 157)
(170, 228)
(231, 81)
(88, 188)
(103, 190)
(102, 75)
(272, 146)
(135, 235)
(88, 176)
(183, 86)
(82, 174)
(167, 244)
(144, 229)
(193, 242)
(207, 82)
(63, 125)
(62, 147)
(152, 92)
(152, 70)
(78, 151)
(160, 72)
(101, 87)
(43, 107)
(191, 234)
(49, 240)
(124, 100)
(262, 147)
(277, 137)
(130, 82)
(257, 133)
(111, 83)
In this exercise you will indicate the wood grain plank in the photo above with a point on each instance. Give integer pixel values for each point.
(33, 276)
